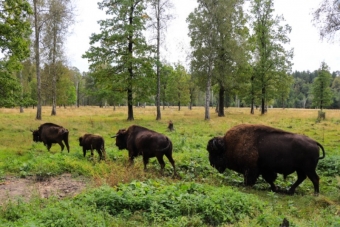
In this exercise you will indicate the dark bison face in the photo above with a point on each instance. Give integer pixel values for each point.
(216, 151)
(36, 136)
(80, 141)
(121, 138)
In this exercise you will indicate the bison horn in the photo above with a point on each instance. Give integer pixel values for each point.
(114, 136)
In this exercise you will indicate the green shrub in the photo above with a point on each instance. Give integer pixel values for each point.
(159, 202)
(329, 166)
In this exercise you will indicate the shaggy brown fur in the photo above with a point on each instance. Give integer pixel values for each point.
(142, 141)
(254, 150)
(91, 142)
(50, 133)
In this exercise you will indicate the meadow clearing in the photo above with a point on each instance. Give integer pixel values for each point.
(108, 193)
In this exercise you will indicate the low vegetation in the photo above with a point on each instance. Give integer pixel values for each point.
(118, 195)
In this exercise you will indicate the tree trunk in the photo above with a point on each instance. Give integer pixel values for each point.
(37, 60)
(263, 101)
(207, 98)
(130, 70)
(22, 92)
(130, 105)
(54, 72)
(158, 103)
(77, 94)
(221, 102)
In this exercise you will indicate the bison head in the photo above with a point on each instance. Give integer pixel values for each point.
(121, 139)
(36, 136)
(216, 149)
(80, 141)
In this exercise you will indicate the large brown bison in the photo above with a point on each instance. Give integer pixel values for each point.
(49, 133)
(254, 150)
(90, 142)
(142, 141)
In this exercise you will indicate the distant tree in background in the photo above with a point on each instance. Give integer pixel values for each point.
(203, 43)
(15, 30)
(271, 61)
(322, 94)
(57, 19)
(160, 17)
(336, 91)
(166, 71)
(219, 46)
(327, 18)
(119, 55)
(178, 91)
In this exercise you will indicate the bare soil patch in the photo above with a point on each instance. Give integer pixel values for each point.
(25, 188)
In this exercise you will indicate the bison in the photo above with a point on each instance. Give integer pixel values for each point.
(142, 141)
(90, 142)
(255, 150)
(49, 133)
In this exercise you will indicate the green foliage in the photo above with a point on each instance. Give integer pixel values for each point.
(123, 58)
(14, 46)
(330, 166)
(272, 61)
(14, 32)
(161, 202)
(177, 91)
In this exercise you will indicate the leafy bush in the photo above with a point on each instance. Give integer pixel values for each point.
(159, 202)
(330, 166)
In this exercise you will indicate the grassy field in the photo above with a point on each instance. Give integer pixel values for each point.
(199, 196)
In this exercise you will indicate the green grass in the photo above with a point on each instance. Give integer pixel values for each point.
(200, 196)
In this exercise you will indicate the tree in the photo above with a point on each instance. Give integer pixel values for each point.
(203, 43)
(122, 55)
(14, 46)
(166, 71)
(231, 50)
(284, 88)
(38, 23)
(327, 18)
(322, 94)
(57, 20)
(271, 60)
(179, 84)
(225, 39)
(160, 18)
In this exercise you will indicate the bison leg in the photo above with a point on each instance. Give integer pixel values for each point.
(301, 177)
(103, 152)
(100, 154)
(315, 180)
(61, 145)
(250, 176)
(161, 162)
(270, 177)
(131, 160)
(145, 161)
(48, 145)
(171, 160)
(84, 152)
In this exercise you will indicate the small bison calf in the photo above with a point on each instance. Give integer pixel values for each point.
(90, 142)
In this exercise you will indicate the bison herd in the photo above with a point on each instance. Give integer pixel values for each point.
(249, 149)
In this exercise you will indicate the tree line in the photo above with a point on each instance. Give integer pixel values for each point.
(237, 58)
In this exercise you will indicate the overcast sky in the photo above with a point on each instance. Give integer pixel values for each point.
(309, 50)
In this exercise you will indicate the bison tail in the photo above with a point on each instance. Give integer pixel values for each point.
(323, 151)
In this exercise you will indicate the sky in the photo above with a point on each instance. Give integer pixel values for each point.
(309, 50)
